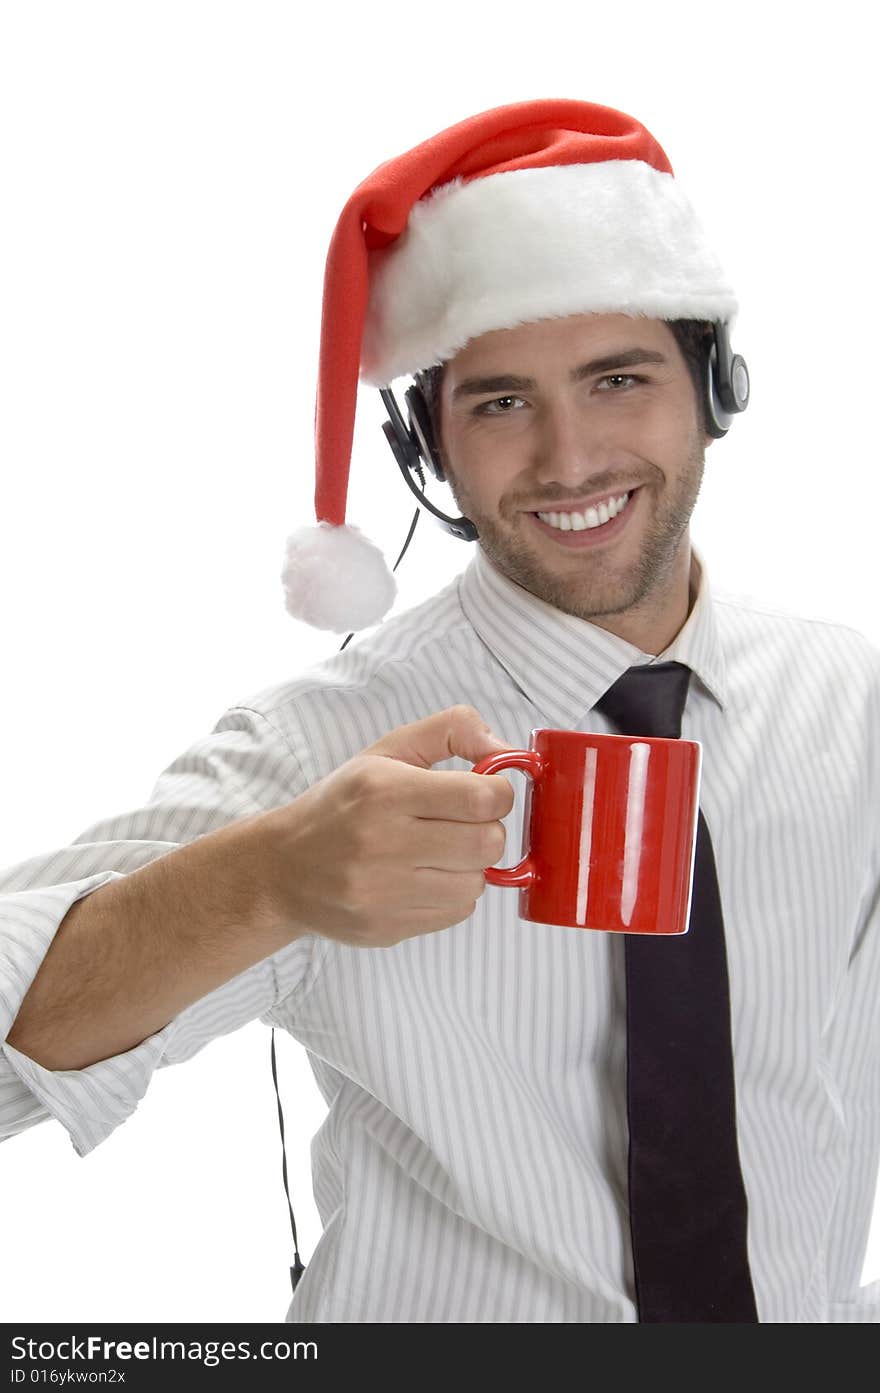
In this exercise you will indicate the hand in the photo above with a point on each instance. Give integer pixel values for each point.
(386, 847)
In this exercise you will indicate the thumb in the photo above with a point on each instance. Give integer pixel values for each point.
(459, 730)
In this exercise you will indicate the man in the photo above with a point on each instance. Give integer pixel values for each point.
(539, 270)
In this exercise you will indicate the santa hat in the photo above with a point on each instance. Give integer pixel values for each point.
(528, 211)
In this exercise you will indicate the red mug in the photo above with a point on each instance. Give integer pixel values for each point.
(609, 830)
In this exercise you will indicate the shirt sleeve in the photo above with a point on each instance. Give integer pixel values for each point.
(243, 767)
(853, 1060)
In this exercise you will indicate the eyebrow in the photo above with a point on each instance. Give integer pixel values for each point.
(627, 358)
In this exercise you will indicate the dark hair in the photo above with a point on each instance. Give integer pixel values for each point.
(690, 335)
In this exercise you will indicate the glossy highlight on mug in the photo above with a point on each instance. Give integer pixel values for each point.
(639, 755)
(586, 839)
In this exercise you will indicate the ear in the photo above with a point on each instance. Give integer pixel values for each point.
(710, 440)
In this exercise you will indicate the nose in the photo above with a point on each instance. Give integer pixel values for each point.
(569, 445)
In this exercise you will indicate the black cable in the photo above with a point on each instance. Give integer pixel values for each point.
(298, 1267)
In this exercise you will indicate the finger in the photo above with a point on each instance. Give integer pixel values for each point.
(457, 846)
(454, 795)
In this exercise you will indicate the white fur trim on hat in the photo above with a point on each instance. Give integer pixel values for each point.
(336, 578)
(616, 236)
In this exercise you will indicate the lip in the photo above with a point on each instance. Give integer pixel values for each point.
(589, 536)
(592, 500)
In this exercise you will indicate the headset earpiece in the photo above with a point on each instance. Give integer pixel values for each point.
(420, 426)
(726, 379)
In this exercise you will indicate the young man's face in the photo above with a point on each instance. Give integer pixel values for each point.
(558, 416)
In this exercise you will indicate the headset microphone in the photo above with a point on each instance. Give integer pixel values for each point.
(414, 445)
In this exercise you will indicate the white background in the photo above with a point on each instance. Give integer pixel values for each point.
(170, 176)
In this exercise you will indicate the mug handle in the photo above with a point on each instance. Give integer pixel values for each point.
(523, 873)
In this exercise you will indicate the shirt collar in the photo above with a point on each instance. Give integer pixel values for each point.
(564, 664)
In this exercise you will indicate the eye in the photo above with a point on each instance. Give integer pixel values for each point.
(620, 377)
(484, 408)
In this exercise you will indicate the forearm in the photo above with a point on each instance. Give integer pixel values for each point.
(130, 956)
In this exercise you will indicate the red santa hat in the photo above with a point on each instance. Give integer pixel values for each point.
(528, 211)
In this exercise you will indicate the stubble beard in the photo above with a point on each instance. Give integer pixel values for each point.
(599, 585)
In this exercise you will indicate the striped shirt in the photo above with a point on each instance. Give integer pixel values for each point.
(472, 1165)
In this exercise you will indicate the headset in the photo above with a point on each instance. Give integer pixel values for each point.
(725, 380)
(413, 445)
(726, 388)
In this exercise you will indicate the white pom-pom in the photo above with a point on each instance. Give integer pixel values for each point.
(336, 578)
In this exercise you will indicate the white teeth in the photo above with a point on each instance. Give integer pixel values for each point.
(592, 517)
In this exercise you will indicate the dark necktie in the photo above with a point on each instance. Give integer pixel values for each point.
(687, 1201)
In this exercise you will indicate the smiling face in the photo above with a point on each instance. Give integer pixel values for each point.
(566, 416)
